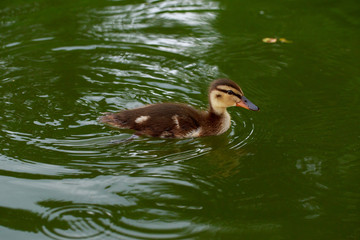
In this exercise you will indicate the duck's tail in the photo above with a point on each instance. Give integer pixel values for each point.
(111, 120)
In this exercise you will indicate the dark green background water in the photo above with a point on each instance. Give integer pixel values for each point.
(290, 171)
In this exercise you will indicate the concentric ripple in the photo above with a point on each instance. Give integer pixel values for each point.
(77, 222)
(117, 215)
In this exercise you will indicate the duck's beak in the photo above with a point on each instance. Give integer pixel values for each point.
(245, 103)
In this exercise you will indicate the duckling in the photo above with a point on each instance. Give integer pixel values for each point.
(176, 120)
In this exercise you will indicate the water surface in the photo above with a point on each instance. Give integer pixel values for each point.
(290, 171)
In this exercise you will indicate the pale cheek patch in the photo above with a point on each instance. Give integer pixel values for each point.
(141, 119)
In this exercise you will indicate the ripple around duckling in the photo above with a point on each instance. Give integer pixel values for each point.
(242, 132)
(105, 148)
(108, 151)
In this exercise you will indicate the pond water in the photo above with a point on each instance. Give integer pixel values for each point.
(290, 171)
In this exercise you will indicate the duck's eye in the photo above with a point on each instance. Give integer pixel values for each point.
(230, 92)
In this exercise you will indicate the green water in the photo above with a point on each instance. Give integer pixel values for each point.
(290, 171)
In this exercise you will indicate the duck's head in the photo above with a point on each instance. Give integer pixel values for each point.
(224, 93)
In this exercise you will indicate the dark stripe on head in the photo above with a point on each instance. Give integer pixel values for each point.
(226, 82)
(229, 92)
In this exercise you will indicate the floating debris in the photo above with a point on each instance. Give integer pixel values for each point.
(269, 40)
(284, 40)
(274, 40)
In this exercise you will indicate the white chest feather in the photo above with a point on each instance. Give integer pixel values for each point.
(225, 124)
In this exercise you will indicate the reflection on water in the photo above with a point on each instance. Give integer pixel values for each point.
(280, 173)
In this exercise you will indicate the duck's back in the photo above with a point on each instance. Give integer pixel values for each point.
(167, 120)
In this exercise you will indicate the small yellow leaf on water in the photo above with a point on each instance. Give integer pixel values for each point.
(284, 40)
(269, 40)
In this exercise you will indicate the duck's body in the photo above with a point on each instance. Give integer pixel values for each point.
(169, 120)
(173, 120)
